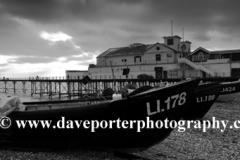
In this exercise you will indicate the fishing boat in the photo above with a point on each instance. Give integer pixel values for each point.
(229, 91)
(203, 98)
(131, 123)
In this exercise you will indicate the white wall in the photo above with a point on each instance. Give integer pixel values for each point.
(150, 55)
(226, 60)
(76, 74)
(176, 42)
(101, 61)
(135, 70)
(116, 61)
(220, 70)
(235, 65)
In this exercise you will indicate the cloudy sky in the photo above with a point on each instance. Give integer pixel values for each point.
(47, 37)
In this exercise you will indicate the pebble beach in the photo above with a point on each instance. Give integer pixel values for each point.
(191, 144)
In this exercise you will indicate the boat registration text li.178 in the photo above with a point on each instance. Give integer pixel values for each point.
(178, 99)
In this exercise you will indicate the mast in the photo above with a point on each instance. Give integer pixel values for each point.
(183, 34)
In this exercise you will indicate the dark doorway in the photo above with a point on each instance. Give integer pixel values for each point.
(203, 74)
(235, 72)
(159, 72)
(165, 75)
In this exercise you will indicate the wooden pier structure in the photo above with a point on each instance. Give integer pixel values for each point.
(56, 87)
(69, 87)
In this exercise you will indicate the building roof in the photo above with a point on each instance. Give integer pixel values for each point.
(172, 37)
(200, 48)
(76, 70)
(216, 52)
(226, 51)
(186, 42)
(133, 49)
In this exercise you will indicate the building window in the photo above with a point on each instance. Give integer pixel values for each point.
(169, 55)
(158, 57)
(137, 59)
(170, 42)
(226, 56)
(217, 56)
(200, 56)
(194, 58)
(158, 48)
(183, 47)
(124, 60)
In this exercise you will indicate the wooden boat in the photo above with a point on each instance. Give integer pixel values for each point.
(229, 91)
(203, 98)
(67, 123)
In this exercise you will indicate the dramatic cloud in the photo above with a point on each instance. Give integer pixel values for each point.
(55, 37)
(71, 33)
(7, 59)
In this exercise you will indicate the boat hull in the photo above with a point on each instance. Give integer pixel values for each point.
(229, 91)
(154, 105)
(227, 97)
(202, 101)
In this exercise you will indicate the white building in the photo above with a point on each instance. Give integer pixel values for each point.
(171, 59)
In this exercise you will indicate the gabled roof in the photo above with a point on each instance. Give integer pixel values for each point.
(162, 44)
(133, 49)
(200, 48)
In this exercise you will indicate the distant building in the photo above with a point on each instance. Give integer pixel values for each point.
(171, 59)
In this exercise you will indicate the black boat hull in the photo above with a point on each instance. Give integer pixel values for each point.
(202, 100)
(155, 104)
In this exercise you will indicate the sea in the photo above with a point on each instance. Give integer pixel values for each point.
(28, 98)
(25, 95)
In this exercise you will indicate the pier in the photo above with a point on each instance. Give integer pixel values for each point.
(72, 87)
(59, 87)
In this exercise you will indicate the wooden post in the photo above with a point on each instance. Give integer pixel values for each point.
(14, 86)
(24, 87)
(79, 89)
(31, 88)
(5, 82)
(50, 89)
(96, 87)
(59, 90)
(40, 84)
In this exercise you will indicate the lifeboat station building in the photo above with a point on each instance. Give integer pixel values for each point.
(171, 59)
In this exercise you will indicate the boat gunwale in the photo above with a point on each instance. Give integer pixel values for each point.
(154, 90)
(214, 85)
